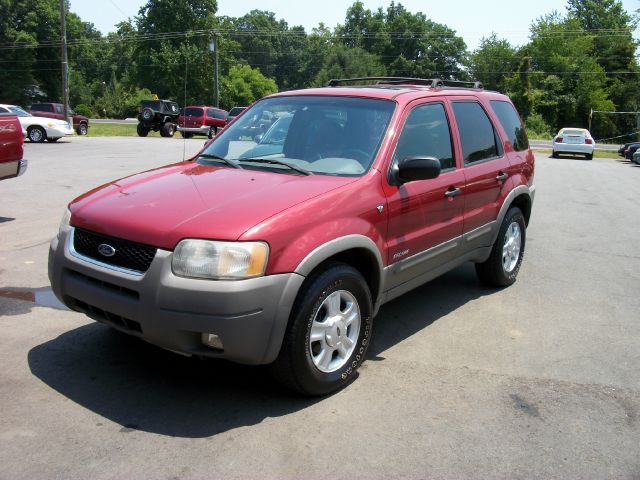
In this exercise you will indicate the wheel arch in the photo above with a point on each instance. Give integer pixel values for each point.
(522, 197)
(357, 251)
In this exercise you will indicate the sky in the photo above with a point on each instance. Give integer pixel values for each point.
(471, 20)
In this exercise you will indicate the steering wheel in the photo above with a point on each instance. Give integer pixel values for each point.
(356, 154)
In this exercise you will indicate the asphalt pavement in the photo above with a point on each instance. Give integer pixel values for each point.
(538, 380)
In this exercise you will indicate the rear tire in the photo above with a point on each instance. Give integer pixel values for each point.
(142, 130)
(82, 129)
(36, 134)
(554, 154)
(328, 334)
(589, 156)
(503, 265)
(213, 131)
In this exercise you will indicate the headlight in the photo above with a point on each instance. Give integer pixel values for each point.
(220, 260)
(64, 222)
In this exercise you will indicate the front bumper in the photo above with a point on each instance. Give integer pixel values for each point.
(573, 148)
(58, 131)
(13, 169)
(203, 130)
(250, 316)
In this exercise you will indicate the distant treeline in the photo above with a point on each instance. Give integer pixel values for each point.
(578, 60)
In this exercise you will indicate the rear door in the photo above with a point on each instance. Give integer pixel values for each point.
(43, 110)
(486, 170)
(425, 217)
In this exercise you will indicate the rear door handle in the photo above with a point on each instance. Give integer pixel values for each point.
(502, 177)
(452, 192)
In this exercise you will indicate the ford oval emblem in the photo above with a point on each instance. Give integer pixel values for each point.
(106, 250)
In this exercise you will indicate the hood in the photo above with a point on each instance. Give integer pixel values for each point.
(187, 200)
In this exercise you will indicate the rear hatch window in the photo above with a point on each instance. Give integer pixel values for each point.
(193, 112)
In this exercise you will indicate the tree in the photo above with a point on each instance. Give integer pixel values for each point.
(492, 62)
(244, 85)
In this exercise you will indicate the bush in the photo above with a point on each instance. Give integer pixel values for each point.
(85, 110)
(537, 127)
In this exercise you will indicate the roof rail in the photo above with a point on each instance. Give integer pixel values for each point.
(428, 82)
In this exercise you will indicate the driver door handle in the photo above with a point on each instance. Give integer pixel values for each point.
(502, 177)
(452, 192)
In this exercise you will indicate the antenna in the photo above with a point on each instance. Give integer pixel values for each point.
(184, 106)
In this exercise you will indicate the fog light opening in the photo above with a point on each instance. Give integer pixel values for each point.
(212, 340)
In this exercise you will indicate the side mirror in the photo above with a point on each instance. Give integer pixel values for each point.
(257, 138)
(418, 168)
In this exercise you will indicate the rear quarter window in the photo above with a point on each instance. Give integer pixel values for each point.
(510, 121)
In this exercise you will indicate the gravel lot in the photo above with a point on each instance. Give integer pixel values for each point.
(539, 380)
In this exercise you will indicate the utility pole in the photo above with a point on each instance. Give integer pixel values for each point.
(65, 62)
(590, 119)
(213, 46)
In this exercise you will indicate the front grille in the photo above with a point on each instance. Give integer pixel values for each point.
(128, 255)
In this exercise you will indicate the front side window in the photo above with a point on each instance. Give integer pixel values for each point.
(426, 133)
(512, 124)
(477, 135)
(318, 134)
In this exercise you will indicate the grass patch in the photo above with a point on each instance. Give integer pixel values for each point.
(610, 154)
(116, 130)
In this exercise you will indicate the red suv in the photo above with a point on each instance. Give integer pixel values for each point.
(201, 121)
(284, 255)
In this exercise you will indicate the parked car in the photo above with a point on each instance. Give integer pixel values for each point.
(158, 115)
(622, 149)
(630, 150)
(201, 121)
(574, 141)
(636, 157)
(56, 110)
(39, 129)
(286, 259)
(234, 112)
(11, 146)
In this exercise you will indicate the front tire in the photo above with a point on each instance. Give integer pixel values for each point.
(554, 154)
(186, 134)
(213, 131)
(168, 130)
(36, 134)
(503, 265)
(83, 129)
(328, 334)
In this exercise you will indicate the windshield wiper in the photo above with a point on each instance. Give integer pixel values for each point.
(278, 162)
(216, 157)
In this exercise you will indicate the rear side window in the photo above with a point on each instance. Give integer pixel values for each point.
(59, 109)
(42, 107)
(477, 135)
(512, 124)
(236, 111)
(426, 133)
(194, 112)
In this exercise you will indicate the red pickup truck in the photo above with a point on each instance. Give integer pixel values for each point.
(11, 147)
(56, 110)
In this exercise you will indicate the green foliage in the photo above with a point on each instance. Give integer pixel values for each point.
(244, 85)
(537, 127)
(580, 60)
(86, 110)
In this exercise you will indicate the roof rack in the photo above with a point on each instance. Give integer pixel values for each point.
(428, 82)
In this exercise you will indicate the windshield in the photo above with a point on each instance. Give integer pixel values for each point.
(318, 134)
(19, 112)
